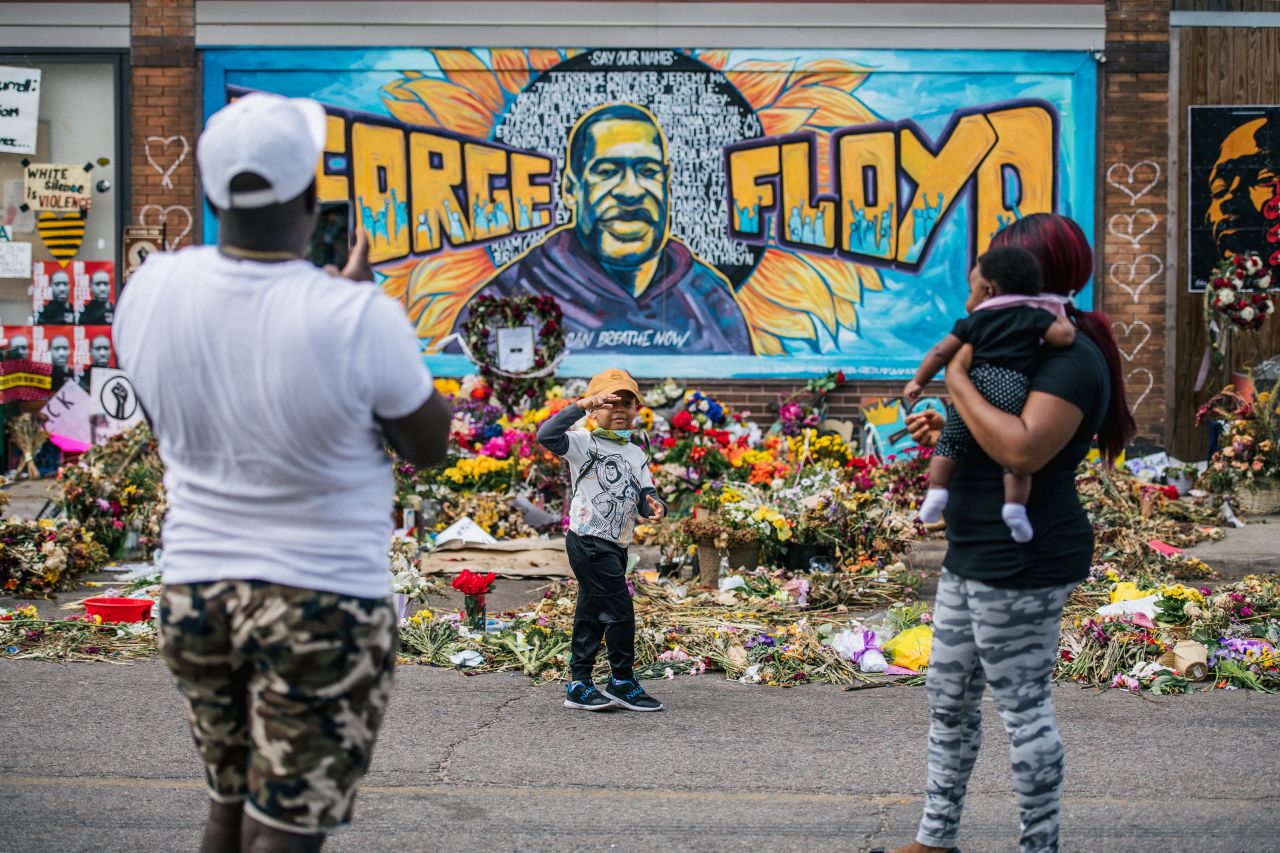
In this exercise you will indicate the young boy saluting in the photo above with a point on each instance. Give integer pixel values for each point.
(611, 485)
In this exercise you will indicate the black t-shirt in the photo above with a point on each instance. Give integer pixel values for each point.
(1004, 337)
(55, 313)
(979, 545)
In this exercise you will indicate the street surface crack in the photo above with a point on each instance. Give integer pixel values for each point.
(442, 769)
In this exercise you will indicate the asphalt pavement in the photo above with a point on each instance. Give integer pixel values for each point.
(95, 757)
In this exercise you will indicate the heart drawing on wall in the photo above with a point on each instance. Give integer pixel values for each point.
(175, 219)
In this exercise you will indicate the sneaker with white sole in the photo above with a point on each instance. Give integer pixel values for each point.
(630, 695)
(584, 696)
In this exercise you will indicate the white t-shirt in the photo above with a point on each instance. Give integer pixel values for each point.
(262, 381)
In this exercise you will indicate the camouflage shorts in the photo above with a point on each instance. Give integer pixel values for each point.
(285, 689)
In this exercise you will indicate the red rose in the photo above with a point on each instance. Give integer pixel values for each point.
(840, 377)
(473, 583)
(683, 420)
(669, 442)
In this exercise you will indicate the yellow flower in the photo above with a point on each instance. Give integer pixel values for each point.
(448, 387)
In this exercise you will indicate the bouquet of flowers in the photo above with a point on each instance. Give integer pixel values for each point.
(475, 587)
(1249, 449)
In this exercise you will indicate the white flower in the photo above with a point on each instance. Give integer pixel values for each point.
(1268, 308)
(1252, 263)
(1224, 297)
(1247, 313)
(669, 673)
(1263, 282)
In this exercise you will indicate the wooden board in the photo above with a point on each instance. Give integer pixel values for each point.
(1215, 66)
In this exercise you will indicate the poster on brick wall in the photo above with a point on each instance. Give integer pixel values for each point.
(1234, 186)
(697, 213)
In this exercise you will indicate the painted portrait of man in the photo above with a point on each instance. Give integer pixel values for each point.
(626, 284)
(1242, 181)
(1235, 182)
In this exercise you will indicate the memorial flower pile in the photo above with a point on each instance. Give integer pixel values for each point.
(40, 558)
(117, 488)
(1231, 632)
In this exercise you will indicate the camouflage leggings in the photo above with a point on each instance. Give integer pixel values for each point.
(285, 689)
(1007, 638)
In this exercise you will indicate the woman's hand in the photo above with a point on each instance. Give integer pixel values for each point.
(958, 368)
(926, 427)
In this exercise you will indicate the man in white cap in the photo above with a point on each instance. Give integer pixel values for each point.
(271, 386)
(98, 311)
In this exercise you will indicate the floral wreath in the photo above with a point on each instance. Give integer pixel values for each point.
(1240, 291)
(543, 313)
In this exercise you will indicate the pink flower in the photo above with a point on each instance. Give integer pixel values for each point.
(1246, 611)
(118, 524)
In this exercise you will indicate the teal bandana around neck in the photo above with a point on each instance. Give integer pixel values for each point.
(618, 436)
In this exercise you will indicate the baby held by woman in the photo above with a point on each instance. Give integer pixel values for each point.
(1008, 319)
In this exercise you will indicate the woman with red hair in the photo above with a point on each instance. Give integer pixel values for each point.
(1000, 602)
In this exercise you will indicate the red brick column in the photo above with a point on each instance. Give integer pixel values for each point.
(1132, 239)
(163, 112)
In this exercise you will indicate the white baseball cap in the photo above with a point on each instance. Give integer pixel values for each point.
(280, 139)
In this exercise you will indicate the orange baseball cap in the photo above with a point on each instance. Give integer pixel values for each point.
(612, 381)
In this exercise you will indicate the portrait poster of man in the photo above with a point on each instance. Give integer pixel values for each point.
(782, 212)
(94, 293)
(51, 294)
(1234, 187)
(18, 342)
(92, 348)
(56, 346)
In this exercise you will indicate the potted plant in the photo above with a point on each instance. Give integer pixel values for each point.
(719, 538)
(1182, 477)
(670, 541)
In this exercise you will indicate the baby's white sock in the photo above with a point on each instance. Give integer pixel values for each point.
(935, 501)
(1015, 515)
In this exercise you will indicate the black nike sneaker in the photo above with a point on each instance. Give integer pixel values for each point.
(630, 695)
(584, 696)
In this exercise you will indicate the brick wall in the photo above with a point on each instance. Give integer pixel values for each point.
(164, 111)
(1132, 236)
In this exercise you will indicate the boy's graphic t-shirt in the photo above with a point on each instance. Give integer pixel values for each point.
(611, 480)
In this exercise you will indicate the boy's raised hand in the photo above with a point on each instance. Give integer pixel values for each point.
(657, 510)
(598, 401)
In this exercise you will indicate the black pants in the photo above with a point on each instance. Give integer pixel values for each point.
(604, 606)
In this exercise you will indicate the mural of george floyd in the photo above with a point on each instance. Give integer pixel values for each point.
(712, 214)
(1234, 187)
